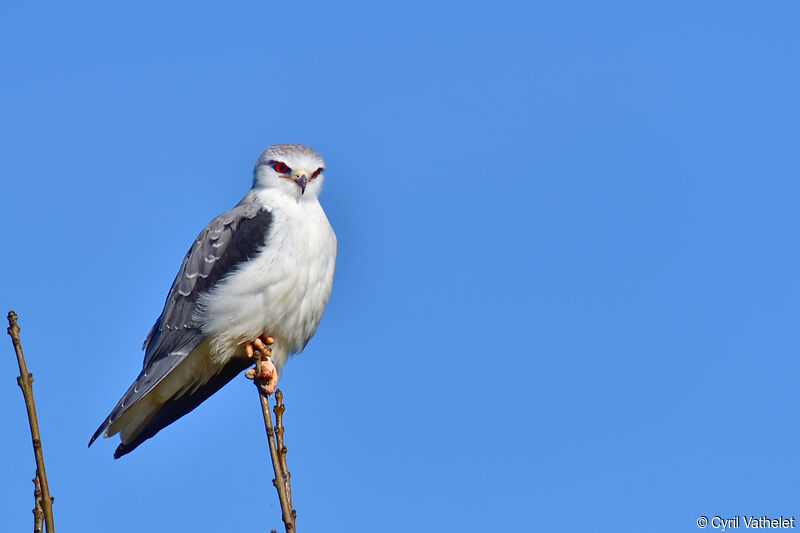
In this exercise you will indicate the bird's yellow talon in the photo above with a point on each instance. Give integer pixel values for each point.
(261, 347)
(268, 377)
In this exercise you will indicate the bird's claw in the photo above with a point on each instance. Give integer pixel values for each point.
(267, 377)
(261, 344)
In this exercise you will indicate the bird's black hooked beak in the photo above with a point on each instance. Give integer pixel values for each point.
(301, 182)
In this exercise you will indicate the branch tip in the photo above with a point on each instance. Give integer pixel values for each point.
(44, 501)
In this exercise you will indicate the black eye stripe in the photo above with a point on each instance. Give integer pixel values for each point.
(282, 168)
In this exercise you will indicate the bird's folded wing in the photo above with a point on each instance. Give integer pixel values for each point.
(229, 240)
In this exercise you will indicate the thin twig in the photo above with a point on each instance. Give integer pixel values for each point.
(279, 430)
(25, 382)
(38, 512)
(284, 492)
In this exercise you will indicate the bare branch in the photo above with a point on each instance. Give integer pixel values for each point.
(25, 382)
(278, 458)
(38, 512)
(279, 430)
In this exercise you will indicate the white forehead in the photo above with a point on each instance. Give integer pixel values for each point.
(294, 155)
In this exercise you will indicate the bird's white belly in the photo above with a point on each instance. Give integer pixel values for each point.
(281, 292)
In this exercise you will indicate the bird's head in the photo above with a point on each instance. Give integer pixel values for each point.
(293, 169)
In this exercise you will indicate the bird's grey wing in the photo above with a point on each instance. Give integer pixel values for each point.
(229, 240)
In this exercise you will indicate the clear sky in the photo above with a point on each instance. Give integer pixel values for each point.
(566, 297)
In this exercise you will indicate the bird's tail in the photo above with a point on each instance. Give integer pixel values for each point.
(184, 388)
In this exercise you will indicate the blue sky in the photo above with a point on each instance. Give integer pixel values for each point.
(567, 284)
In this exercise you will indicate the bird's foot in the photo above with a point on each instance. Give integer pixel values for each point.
(261, 344)
(267, 375)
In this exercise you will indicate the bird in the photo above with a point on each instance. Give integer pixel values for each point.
(257, 277)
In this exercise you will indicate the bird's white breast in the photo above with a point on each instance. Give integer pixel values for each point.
(282, 291)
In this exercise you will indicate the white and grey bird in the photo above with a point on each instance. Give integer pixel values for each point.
(264, 268)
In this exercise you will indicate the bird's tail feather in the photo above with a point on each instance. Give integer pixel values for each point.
(153, 416)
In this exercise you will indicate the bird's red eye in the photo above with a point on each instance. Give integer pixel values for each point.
(316, 172)
(280, 168)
